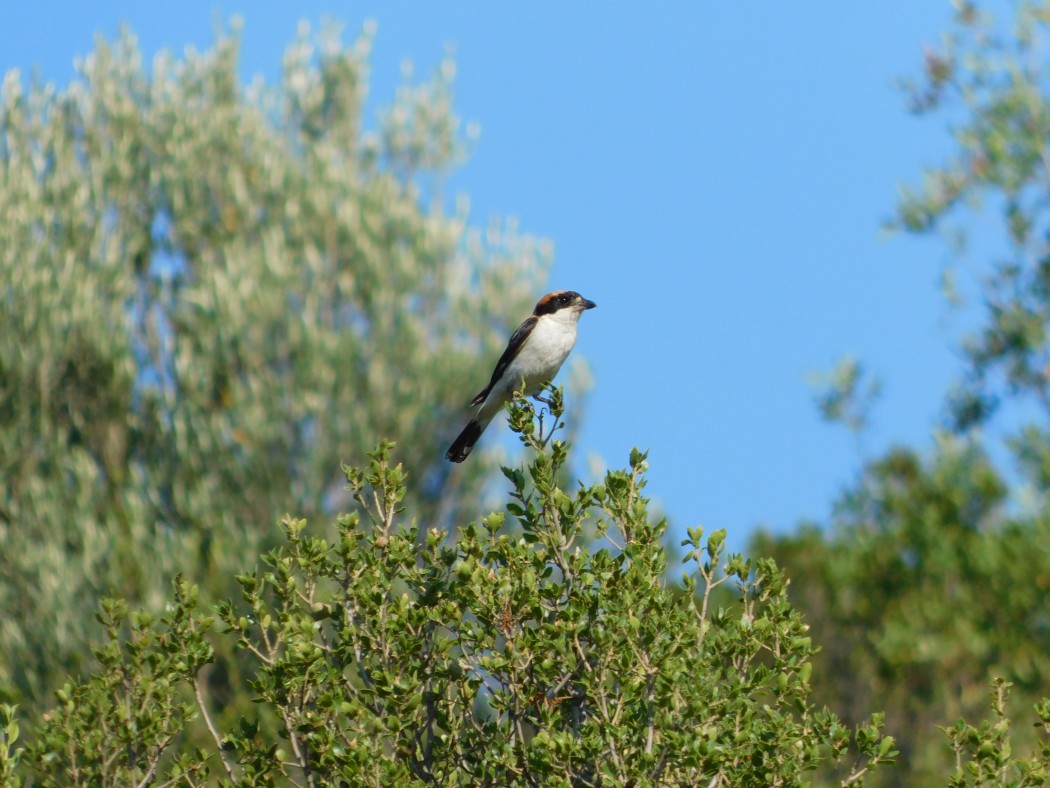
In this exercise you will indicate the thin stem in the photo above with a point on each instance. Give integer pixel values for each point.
(300, 754)
(211, 728)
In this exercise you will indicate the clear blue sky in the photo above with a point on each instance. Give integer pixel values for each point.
(714, 175)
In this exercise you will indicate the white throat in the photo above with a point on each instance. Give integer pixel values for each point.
(566, 316)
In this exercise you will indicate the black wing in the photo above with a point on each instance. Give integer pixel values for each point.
(516, 341)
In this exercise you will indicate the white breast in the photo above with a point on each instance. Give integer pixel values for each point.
(539, 359)
(546, 350)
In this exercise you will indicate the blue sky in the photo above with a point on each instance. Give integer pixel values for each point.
(714, 175)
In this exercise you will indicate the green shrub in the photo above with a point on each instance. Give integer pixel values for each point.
(546, 647)
(984, 755)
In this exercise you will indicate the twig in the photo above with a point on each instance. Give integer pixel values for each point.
(211, 728)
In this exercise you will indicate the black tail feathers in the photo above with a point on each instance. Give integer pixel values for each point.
(462, 445)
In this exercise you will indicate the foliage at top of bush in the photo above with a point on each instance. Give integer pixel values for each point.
(543, 646)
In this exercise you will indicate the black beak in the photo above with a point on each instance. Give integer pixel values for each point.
(588, 304)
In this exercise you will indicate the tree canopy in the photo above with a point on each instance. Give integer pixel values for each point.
(210, 296)
(931, 576)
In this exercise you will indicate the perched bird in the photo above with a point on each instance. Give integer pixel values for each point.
(533, 357)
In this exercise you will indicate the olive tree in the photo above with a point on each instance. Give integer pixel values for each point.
(210, 295)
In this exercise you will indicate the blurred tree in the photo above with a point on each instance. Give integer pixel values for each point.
(992, 81)
(933, 575)
(920, 591)
(846, 395)
(209, 297)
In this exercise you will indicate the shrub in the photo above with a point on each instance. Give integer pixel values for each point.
(546, 647)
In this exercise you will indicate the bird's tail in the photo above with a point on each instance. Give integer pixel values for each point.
(462, 445)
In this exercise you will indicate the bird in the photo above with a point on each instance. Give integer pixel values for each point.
(533, 357)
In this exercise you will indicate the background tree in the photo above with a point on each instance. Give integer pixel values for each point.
(209, 297)
(932, 575)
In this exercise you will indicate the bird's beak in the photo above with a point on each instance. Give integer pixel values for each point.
(587, 303)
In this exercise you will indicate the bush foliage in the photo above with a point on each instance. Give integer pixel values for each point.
(541, 649)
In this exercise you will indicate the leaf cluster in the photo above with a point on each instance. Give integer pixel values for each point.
(984, 754)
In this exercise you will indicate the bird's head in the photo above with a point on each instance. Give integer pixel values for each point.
(567, 302)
